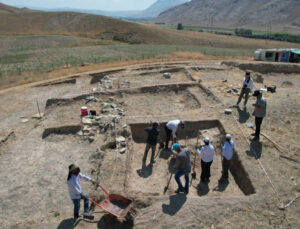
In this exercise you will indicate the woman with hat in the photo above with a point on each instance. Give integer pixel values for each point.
(76, 193)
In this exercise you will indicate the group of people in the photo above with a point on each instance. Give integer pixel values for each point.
(260, 106)
(180, 152)
(183, 155)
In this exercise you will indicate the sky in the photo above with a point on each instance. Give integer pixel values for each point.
(110, 5)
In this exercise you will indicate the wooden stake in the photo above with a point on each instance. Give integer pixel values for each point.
(37, 103)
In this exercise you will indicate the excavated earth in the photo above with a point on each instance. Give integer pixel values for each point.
(35, 152)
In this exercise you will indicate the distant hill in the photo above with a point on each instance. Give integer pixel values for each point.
(158, 7)
(151, 12)
(258, 14)
(27, 22)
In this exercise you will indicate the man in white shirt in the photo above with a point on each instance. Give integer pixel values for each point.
(171, 128)
(247, 87)
(76, 193)
(206, 153)
(227, 154)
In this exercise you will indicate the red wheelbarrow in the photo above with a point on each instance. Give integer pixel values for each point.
(116, 205)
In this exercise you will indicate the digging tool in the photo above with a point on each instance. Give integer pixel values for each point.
(167, 186)
(194, 163)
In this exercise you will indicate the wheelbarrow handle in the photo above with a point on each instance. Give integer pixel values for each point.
(104, 190)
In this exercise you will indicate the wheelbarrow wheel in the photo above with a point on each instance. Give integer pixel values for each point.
(130, 215)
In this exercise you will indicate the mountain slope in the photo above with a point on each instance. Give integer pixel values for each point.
(160, 6)
(260, 14)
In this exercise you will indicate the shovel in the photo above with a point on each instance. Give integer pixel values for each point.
(167, 186)
(194, 175)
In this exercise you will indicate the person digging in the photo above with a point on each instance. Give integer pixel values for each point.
(153, 134)
(182, 166)
(76, 193)
(206, 153)
(227, 154)
(171, 128)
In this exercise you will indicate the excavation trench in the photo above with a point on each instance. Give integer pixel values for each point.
(151, 178)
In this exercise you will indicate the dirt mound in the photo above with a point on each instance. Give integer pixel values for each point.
(287, 84)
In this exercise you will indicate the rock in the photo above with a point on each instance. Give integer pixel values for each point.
(97, 118)
(37, 115)
(120, 139)
(106, 77)
(91, 139)
(123, 144)
(106, 105)
(91, 134)
(24, 120)
(86, 129)
(124, 126)
(86, 121)
(229, 91)
(258, 78)
(80, 133)
(228, 111)
(167, 75)
(123, 150)
(224, 81)
(113, 105)
(235, 90)
(121, 113)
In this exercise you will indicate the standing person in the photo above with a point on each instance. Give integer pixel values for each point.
(260, 110)
(247, 87)
(171, 128)
(227, 154)
(182, 166)
(76, 193)
(206, 153)
(153, 133)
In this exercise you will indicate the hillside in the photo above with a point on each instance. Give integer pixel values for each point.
(259, 14)
(160, 6)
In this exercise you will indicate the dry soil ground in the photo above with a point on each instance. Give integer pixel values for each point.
(35, 153)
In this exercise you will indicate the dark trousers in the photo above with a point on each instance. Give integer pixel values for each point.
(258, 122)
(246, 92)
(178, 174)
(76, 203)
(168, 135)
(148, 146)
(225, 167)
(205, 173)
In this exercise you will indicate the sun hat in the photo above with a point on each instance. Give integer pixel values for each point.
(73, 167)
(175, 146)
(206, 140)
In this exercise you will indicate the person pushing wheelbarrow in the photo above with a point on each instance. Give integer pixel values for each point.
(76, 193)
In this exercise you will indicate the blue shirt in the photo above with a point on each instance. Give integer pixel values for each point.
(227, 150)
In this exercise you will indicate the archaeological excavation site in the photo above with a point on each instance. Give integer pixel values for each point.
(97, 121)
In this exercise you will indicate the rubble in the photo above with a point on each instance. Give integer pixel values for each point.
(167, 75)
(228, 111)
(105, 83)
(123, 150)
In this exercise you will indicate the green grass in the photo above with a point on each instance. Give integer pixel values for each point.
(47, 53)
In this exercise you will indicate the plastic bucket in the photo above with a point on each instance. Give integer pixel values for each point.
(84, 111)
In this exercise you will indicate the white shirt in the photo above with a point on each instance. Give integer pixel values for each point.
(207, 153)
(227, 150)
(173, 125)
(249, 84)
(74, 185)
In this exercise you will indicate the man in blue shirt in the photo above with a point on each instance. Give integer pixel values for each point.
(227, 154)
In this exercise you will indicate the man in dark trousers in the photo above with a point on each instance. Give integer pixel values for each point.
(246, 89)
(182, 166)
(153, 133)
(227, 154)
(171, 128)
(206, 153)
(260, 108)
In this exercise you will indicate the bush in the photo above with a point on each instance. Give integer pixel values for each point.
(179, 26)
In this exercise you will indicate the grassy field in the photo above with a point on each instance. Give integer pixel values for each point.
(47, 53)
